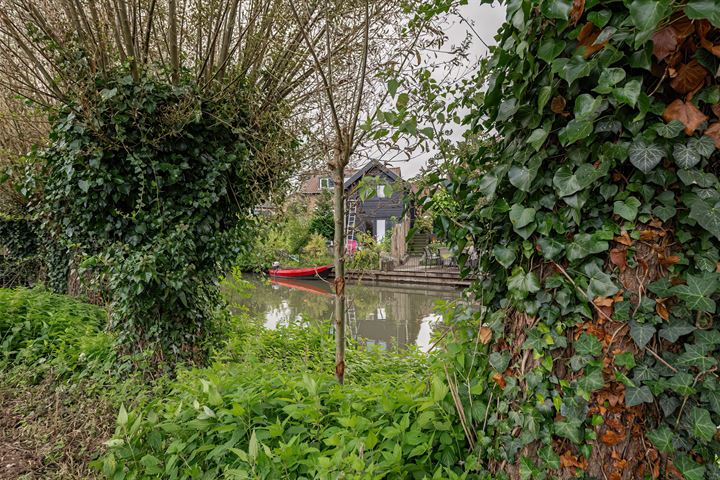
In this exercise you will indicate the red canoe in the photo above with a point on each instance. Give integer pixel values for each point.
(312, 272)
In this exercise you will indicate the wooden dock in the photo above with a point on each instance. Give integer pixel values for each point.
(430, 277)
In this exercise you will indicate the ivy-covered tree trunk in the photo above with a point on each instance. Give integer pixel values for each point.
(598, 208)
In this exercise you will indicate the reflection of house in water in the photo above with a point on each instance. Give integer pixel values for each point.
(385, 315)
(389, 316)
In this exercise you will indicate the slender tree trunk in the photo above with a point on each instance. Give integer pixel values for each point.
(339, 256)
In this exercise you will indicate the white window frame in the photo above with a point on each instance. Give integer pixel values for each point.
(326, 183)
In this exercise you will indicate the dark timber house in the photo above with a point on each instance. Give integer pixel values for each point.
(378, 213)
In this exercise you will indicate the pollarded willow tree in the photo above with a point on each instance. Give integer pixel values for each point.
(169, 122)
(597, 205)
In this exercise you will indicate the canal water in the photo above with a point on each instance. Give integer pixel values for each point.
(387, 315)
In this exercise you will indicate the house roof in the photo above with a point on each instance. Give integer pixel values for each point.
(392, 172)
(311, 184)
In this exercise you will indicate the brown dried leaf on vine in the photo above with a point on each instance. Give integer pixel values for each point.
(576, 11)
(611, 437)
(499, 379)
(623, 239)
(689, 77)
(568, 460)
(713, 131)
(665, 42)
(668, 260)
(685, 112)
(661, 309)
(716, 109)
(703, 28)
(618, 257)
(586, 38)
(557, 105)
(485, 335)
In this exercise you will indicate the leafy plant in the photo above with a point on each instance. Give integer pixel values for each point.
(155, 182)
(593, 193)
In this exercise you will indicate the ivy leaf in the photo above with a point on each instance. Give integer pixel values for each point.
(641, 333)
(570, 429)
(521, 177)
(695, 356)
(537, 138)
(689, 469)
(575, 130)
(601, 284)
(707, 217)
(645, 15)
(662, 439)
(548, 455)
(574, 68)
(685, 155)
(499, 360)
(609, 77)
(629, 93)
(550, 49)
(645, 156)
(681, 383)
(566, 182)
(664, 212)
(585, 244)
(504, 255)
(696, 177)
(543, 97)
(627, 209)
(703, 9)
(637, 395)
(523, 283)
(669, 130)
(84, 185)
(558, 9)
(549, 247)
(704, 146)
(587, 344)
(703, 427)
(587, 107)
(676, 329)
(521, 216)
(697, 292)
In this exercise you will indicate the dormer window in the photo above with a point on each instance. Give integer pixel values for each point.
(326, 183)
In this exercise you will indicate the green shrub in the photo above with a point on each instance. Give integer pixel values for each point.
(275, 411)
(41, 328)
(155, 181)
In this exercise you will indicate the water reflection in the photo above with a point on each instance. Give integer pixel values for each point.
(389, 316)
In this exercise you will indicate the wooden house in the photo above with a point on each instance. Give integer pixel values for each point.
(375, 214)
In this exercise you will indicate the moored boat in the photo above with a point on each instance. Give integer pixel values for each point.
(311, 272)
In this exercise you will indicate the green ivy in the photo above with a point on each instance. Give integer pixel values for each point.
(596, 205)
(152, 183)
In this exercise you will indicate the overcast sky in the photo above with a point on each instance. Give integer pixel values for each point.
(485, 21)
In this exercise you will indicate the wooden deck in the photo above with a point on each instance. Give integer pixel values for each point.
(430, 277)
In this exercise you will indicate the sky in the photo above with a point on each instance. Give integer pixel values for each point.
(485, 20)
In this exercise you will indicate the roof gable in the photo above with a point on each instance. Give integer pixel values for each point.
(371, 165)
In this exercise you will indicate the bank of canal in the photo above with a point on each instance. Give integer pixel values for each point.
(389, 316)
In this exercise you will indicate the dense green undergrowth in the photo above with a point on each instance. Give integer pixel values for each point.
(266, 405)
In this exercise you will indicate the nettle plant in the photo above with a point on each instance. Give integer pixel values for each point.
(598, 208)
(152, 182)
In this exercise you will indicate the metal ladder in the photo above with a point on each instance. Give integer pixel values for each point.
(351, 220)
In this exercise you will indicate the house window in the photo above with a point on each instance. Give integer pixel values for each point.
(326, 183)
(381, 191)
